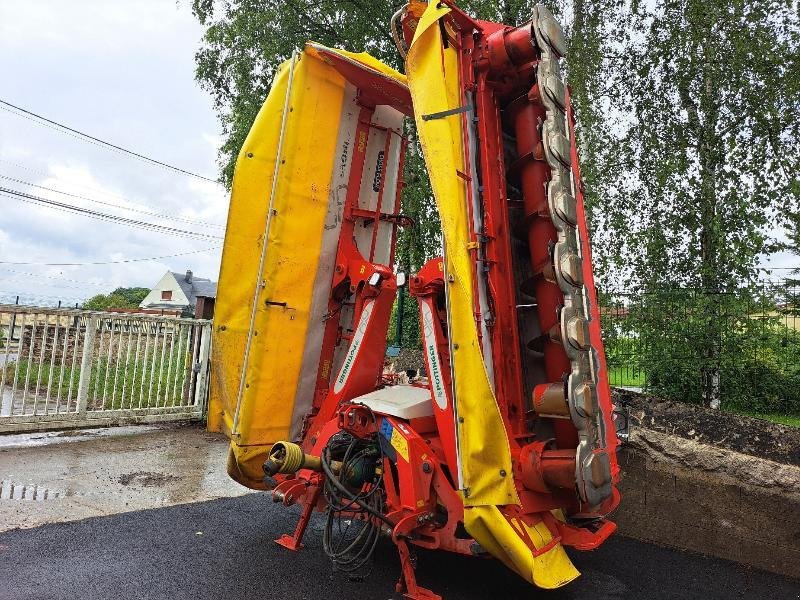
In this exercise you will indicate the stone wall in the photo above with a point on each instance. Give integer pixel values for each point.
(681, 493)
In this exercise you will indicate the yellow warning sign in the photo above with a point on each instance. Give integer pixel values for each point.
(400, 444)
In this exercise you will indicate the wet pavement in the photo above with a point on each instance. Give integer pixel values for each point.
(73, 526)
(224, 549)
(64, 476)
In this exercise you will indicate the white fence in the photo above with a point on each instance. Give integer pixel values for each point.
(69, 368)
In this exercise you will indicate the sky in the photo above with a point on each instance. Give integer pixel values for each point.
(122, 71)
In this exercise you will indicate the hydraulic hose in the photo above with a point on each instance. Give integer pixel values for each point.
(326, 468)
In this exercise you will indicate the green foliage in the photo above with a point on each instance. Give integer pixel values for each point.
(708, 114)
(151, 381)
(57, 379)
(790, 420)
(415, 245)
(700, 172)
(665, 337)
(626, 377)
(120, 298)
(410, 335)
(594, 31)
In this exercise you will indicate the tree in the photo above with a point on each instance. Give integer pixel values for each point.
(246, 40)
(121, 297)
(708, 151)
(708, 113)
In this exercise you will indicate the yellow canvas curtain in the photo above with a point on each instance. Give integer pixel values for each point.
(485, 454)
(300, 204)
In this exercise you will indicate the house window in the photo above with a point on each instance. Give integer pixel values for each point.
(166, 294)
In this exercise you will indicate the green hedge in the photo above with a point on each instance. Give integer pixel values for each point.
(678, 339)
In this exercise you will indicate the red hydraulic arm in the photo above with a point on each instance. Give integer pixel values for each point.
(428, 287)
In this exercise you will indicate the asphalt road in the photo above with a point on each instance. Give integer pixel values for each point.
(224, 549)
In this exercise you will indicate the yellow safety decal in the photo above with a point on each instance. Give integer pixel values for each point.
(400, 444)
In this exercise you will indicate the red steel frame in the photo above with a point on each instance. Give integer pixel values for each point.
(422, 476)
(351, 279)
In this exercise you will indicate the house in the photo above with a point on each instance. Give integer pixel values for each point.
(183, 292)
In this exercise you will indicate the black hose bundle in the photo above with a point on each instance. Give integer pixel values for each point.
(356, 500)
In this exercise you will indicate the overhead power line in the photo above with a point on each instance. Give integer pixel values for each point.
(25, 295)
(61, 278)
(50, 174)
(104, 262)
(30, 198)
(97, 140)
(111, 204)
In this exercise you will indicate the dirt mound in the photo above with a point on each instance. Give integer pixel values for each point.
(747, 435)
(409, 359)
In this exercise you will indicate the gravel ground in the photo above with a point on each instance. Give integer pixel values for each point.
(223, 549)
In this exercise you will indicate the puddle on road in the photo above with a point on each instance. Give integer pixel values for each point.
(108, 471)
(30, 492)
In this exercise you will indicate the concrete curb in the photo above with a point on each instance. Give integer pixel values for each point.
(681, 493)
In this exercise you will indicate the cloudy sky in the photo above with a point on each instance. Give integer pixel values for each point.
(121, 71)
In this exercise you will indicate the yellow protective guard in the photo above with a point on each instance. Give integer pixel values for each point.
(505, 539)
(483, 443)
(484, 450)
(316, 116)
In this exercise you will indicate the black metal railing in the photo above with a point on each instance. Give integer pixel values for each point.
(739, 348)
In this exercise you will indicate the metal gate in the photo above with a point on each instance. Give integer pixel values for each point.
(68, 368)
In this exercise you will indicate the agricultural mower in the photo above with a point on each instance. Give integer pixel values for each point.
(506, 448)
